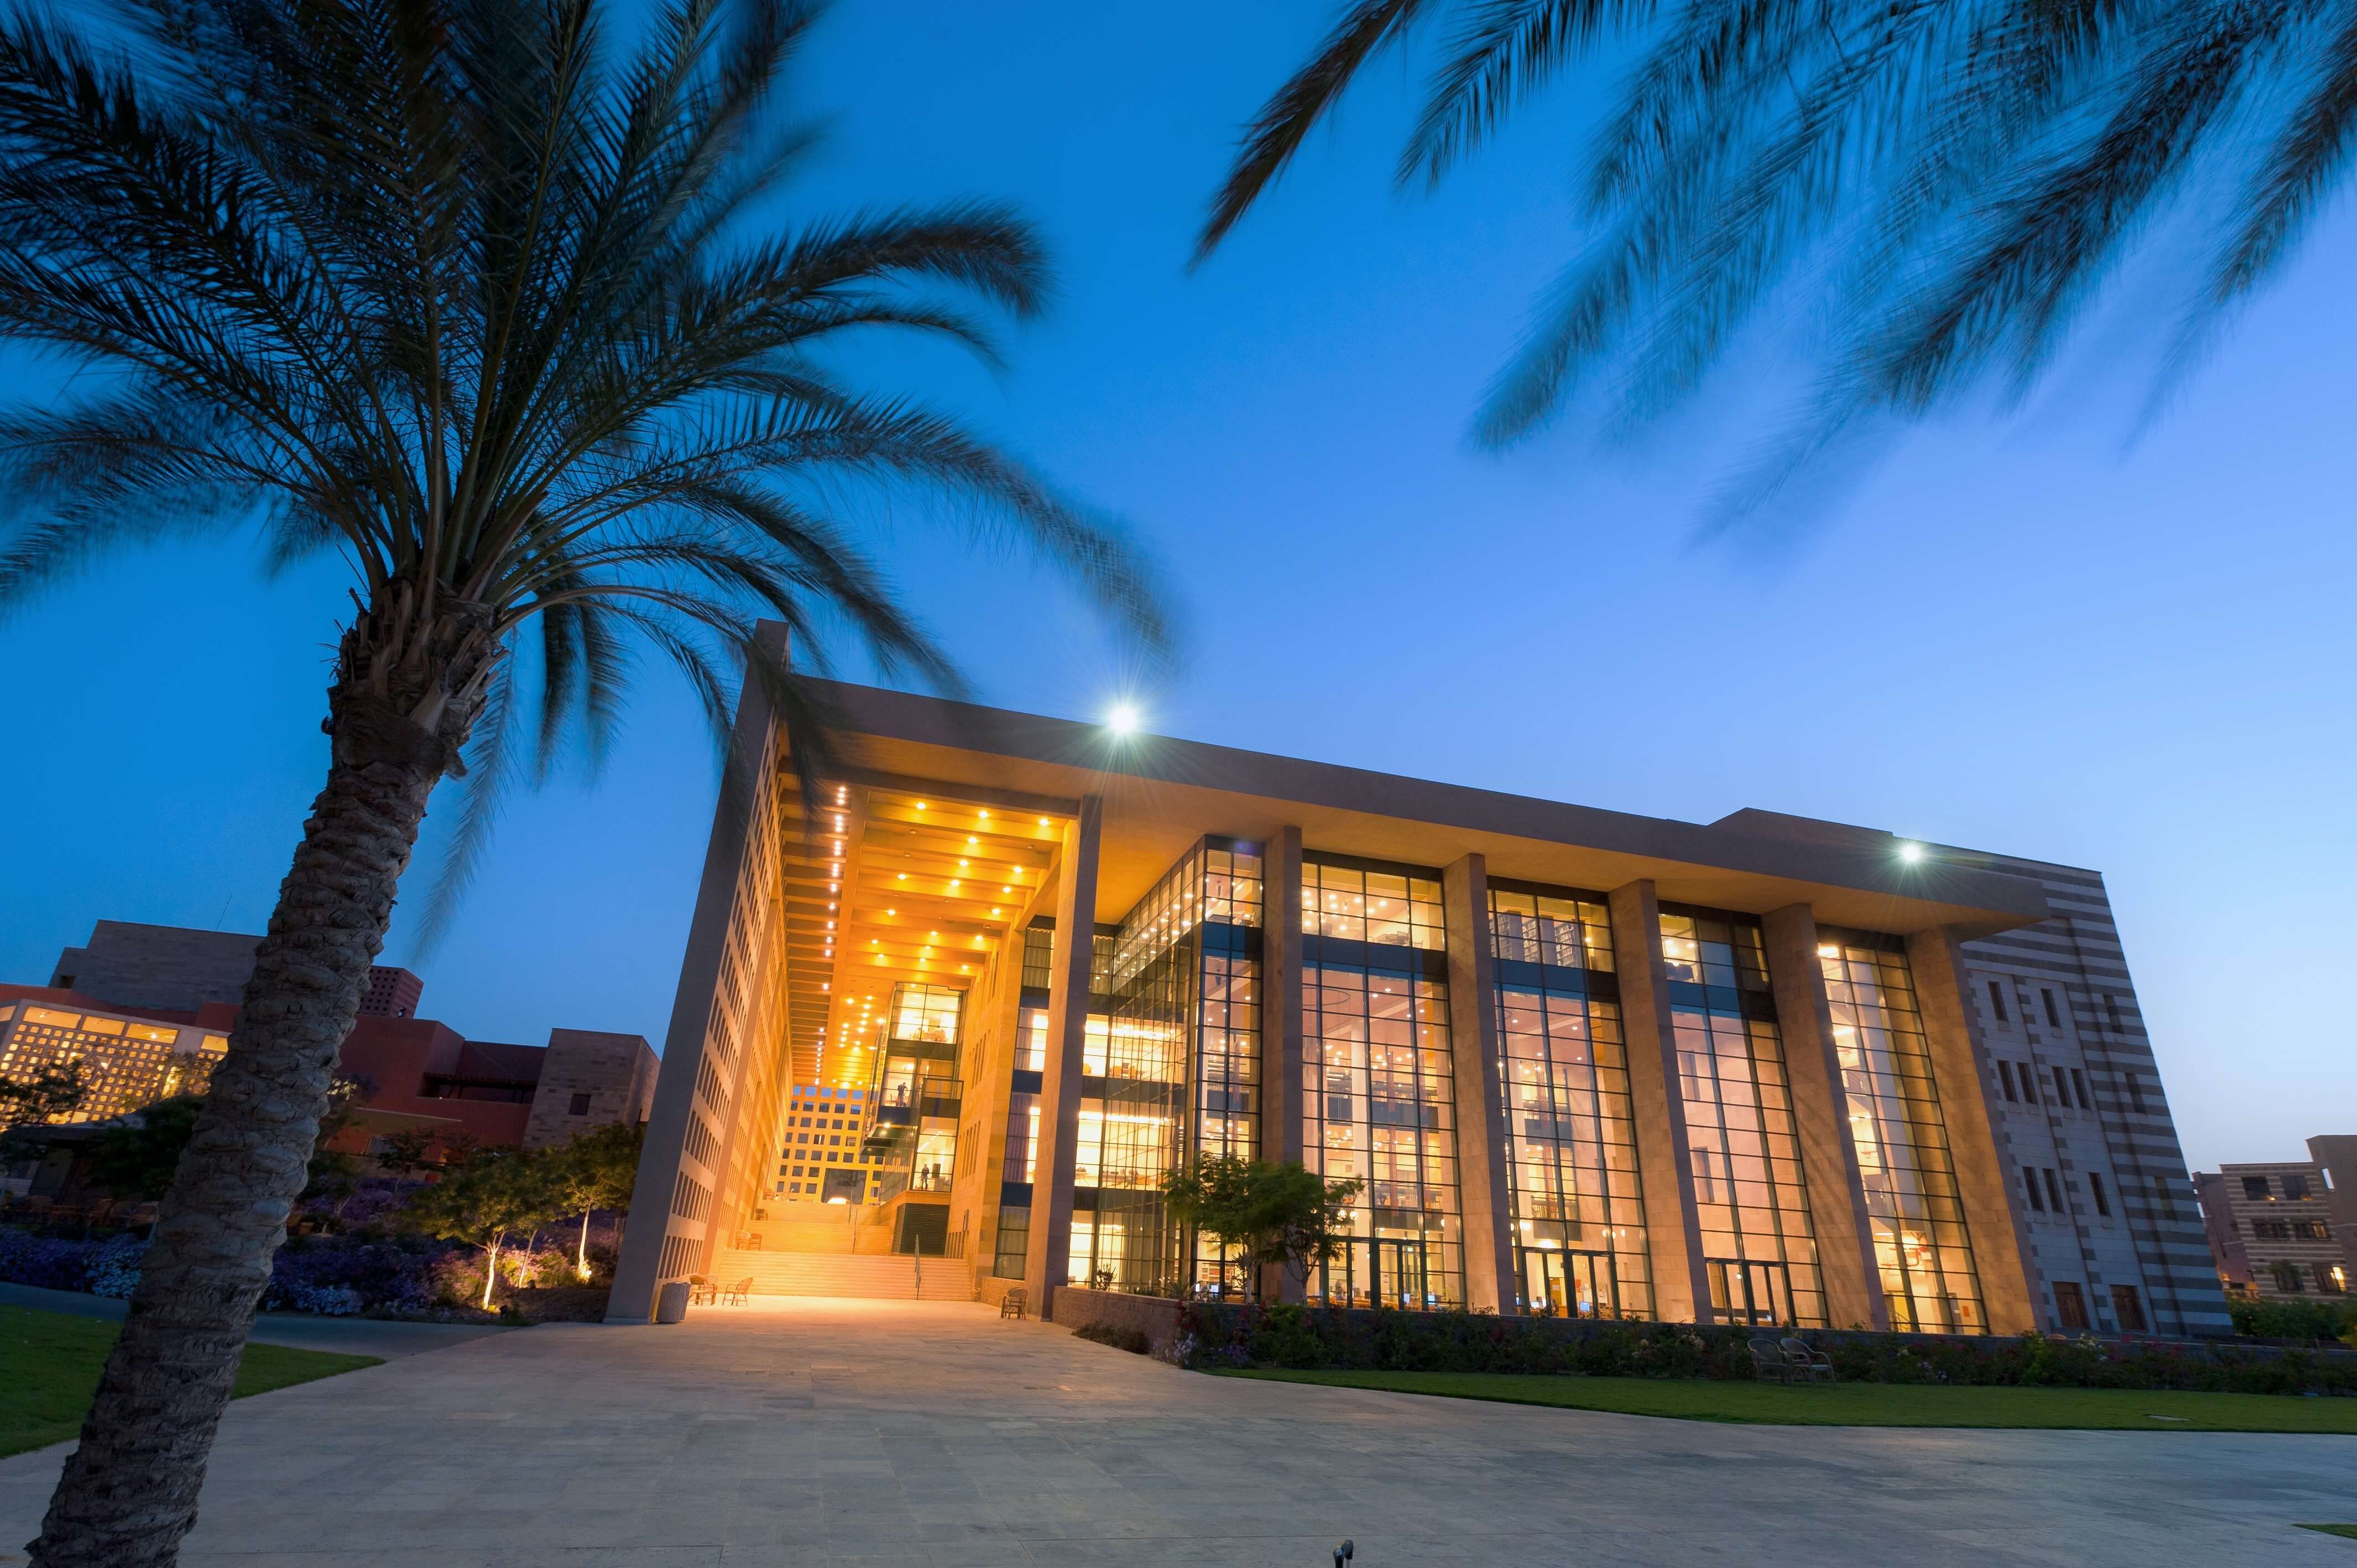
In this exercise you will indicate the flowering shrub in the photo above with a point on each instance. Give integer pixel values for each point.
(389, 1275)
(393, 1276)
(114, 1267)
(1299, 1336)
(51, 1262)
(329, 1300)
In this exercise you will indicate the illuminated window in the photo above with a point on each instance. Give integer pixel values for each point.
(1577, 1205)
(1379, 1106)
(1342, 900)
(1900, 1136)
(1561, 932)
(1759, 1246)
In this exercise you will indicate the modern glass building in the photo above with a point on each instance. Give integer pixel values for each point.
(1578, 1062)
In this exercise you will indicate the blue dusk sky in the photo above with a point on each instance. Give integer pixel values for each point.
(2038, 634)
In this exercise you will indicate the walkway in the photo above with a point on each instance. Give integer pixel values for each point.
(387, 1341)
(843, 1432)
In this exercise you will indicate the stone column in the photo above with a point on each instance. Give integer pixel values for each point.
(1486, 1215)
(1983, 1174)
(1673, 1232)
(1047, 1260)
(1280, 1022)
(1829, 1169)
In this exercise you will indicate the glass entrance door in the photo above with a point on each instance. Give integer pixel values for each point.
(1749, 1292)
(1384, 1271)
(1557, 1284)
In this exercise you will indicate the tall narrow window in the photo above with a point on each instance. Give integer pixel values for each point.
(2029, 1185)
(1996, 1001)
(2096, 1190)
(2136, 1091)
(2079, 1087)
(2028, 1084)
(2111, 1011)
(2052, 1016)
(2069, 1304)
(2005, 1077)
(1759, 1247)
(1578, 1209)
(1899, 1134)
(2054, 1192)
(1378, 1086)
(2061, 1088)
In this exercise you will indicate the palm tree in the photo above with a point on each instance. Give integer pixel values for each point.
(484, 306)
(1945, 184)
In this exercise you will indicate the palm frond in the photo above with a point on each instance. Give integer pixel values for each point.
(1366, 29)
(465, 291)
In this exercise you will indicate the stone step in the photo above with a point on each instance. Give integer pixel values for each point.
(890, 1277)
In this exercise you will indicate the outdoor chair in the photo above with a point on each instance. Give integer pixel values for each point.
(1812, 1365)
(700, 1291)
(1768, 1362)
(1014, 1304)
(735, 1296)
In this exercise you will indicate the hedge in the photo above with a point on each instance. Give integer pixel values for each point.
(1347, 1339)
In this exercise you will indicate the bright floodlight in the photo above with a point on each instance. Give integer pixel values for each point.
(1911, 852)
(1122, 720)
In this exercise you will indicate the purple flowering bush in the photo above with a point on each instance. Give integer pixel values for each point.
(51, 1262)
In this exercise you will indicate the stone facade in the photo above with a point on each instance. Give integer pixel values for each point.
(177, 969)
(2273, 1232)
(590, 1078)
(1154, 1316)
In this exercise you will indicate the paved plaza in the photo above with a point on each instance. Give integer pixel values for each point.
(842, 1433)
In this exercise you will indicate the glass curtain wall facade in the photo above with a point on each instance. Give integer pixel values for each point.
(917, 1093)
(1911, 1200)
(1172, 1069)
(1758, 1249)
(1378, 1089)
(1577, 1207)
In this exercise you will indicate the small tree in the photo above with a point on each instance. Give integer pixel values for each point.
(136, 1159)
(1301, 1216)
(405, 1152)
(1272, 1213)
(49, 1095)
(494, 1196)
(55, 1090)
(599, 1169)
(1215, 1198)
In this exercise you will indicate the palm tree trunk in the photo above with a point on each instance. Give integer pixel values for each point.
(401, 707)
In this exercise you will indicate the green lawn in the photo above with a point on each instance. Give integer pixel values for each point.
(49, 1365)
(2347, 1531)
(1865, 1404)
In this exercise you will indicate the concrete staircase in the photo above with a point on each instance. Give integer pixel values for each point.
(888, 1277)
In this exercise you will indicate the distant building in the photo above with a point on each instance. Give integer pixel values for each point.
(180, 970)
(2282, 1230)
(827, 1153)
(588, 1079)
(391, 993)
(149, 1008)
(130, 1056)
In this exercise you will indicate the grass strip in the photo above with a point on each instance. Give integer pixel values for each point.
(49, 1364)
(1864, 1404)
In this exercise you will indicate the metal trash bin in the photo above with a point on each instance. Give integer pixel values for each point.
(671, 1302)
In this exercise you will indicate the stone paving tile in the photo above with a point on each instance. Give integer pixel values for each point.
(847, 1434)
